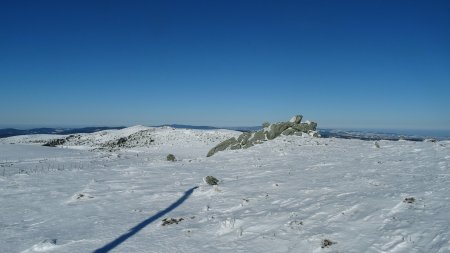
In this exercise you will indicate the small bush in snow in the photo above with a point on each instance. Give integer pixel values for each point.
(409, 200)
(327, 243)
(170, 157)
(211, 180)
(170, 221)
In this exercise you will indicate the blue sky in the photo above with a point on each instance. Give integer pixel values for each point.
(358, 64)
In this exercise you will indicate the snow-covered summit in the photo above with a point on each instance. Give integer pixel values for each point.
(133, 139)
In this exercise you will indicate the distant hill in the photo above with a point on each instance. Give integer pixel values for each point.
(240, 129)
(244, 129)
(8, 132)
(371, 135)
(325, 133)
(189, 127)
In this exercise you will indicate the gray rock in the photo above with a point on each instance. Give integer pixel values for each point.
(254, 138)
(296, 119)
(243, 138)
(270, 132)
(171, 158)
(211, 180)
(235, 146)
(305, 127)
(222, 146)
(248, 145)
(276, 129)
(289, 131)
(258, 137)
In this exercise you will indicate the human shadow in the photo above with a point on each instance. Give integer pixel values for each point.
(144, 223)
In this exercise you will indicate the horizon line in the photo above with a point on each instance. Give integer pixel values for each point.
(30, 127)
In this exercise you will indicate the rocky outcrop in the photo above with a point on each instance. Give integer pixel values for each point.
(55, 142)
(223, 145)
(139, 139)
(296, 119)
(61, 141)
(269, 132)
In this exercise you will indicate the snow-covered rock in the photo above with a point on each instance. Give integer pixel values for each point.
(296, 119)
(270, 132)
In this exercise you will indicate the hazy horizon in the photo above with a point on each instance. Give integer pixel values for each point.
(441, 132)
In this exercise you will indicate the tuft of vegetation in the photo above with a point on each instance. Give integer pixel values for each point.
(409, 200)
(211, 180)
(170, 221)
(377, 145)
(171, 158)
(327, 243)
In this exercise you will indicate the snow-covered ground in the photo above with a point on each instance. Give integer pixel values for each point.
(285, 195)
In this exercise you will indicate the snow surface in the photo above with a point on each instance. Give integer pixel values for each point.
(285, 195)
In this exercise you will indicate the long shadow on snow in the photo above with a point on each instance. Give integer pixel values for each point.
(143, 224)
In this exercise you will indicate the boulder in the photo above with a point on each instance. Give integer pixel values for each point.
(211, 180)
(222, 146)
(296, 119)
(276, 129)
(171, 158)
(289, 131)
(305, 127)
(243, 138)
(269, 132)
(258, 137)
(249, 144)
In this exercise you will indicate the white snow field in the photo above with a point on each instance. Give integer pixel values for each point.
(291, 194)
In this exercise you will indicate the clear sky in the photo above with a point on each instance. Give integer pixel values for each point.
(372, 64)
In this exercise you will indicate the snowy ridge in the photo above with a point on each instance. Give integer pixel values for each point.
(133, 137)
(291, 194)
